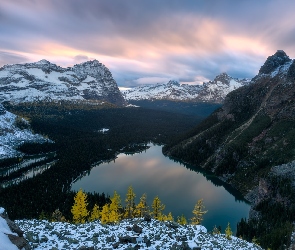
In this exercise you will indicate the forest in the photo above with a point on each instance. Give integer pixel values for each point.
(79, 144)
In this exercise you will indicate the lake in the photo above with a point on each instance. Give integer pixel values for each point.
(177, 186)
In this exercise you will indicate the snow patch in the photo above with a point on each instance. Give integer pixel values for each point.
(5, 243)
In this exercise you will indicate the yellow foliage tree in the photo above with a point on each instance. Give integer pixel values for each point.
(157, 207)
(181, 220)
(114, 208)
(95, 213)
(130, 204)
(105, 214)
(198, 213)
(141, 209)
(228, 232)
(79, 209)
(170, 217)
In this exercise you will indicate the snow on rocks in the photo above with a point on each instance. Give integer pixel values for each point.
(148, 235)
(12, 136)
(212, 91)
(46, 81)
(11, 237)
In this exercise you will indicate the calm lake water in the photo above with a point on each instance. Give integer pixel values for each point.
(178, 188)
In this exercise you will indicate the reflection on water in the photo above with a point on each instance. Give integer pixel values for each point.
(178, 187)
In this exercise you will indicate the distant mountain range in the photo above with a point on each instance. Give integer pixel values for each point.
(92, 81)
(211, 92)
(43, 80)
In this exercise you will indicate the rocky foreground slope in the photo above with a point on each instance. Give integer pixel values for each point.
(43, 80)
(212, 91)
(143, 233)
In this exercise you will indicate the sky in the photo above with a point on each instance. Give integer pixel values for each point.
(149, 41)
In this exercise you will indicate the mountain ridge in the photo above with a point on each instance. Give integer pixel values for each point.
(212, 91)
(44, 80)
(248, 142)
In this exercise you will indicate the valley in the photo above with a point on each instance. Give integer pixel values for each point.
(238, 134)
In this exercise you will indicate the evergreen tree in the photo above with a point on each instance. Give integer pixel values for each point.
(181, 220)
(57, 216)
(114, 208)
(170, 217)
(105, 214)
(198, 213)
(215, 231)
(157, 207)
(79, 209)
(95, 213)
(130, 204)
(142, 208)
(228, 232)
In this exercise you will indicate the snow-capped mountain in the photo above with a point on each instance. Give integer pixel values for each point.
(43, 80)
(166, 91)
(212, 91)
(11, 136)
(216, 90)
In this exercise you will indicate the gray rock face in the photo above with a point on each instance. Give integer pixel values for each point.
(18, 240)
(274, 61)
(291, 72)
(46, 81)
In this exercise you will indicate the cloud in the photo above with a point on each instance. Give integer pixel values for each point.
(11, 58)
(151, 80)
(185, 40)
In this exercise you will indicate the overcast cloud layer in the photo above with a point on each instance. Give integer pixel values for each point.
(149, 41)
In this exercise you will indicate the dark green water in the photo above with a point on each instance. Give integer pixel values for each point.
(178, 187)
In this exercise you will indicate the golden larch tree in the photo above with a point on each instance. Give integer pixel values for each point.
(79, 209)
(169, 217)
(157, 207)
(142, 208)
(228, 232)
(95, 213)
(105, 214)
(130, 204)
(181, 220)
(198, 213)
(114, 208)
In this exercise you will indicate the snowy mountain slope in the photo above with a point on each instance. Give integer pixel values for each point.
(128, 234)
(46, 81)
(212, 91)
(170, 91)
(12, 136)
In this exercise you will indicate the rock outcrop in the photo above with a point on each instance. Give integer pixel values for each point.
(46, 81)
(15, 235)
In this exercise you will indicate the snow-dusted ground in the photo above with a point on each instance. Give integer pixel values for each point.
(11, 136)
(5, 243)
(154, 235)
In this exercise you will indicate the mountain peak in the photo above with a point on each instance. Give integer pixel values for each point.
(46, 81)
(43, 61)
(173, 82)
(223, 77)
(274, 61)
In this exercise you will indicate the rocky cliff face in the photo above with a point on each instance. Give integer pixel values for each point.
(249, 143)
(46, 81)
(212, 91)
(253, 131)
